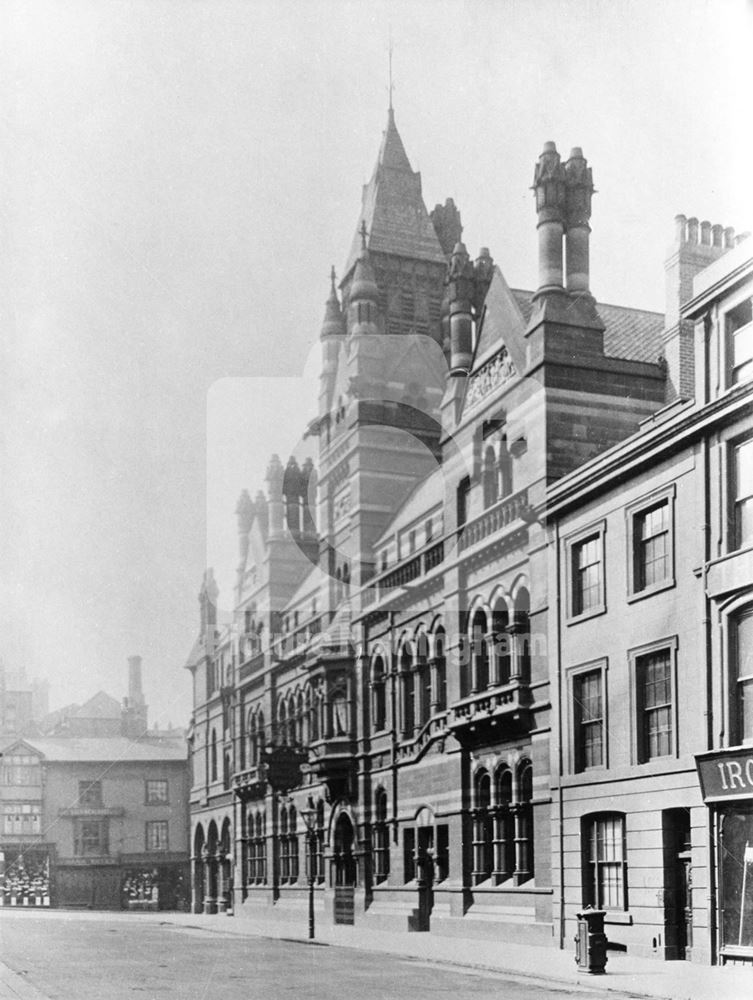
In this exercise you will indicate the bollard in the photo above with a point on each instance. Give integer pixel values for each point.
(591, 941)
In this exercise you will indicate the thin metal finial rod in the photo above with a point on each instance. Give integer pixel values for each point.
(392, 86)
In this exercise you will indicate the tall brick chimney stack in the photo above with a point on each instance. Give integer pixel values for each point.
(695, 246)
(579, 188)
(134, 720)
(549, 186)
(135, 692)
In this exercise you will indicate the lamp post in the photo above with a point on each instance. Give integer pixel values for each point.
(309, 818)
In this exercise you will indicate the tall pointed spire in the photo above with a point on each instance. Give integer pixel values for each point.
(393, 208)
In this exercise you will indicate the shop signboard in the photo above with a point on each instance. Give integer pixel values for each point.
(726, 775)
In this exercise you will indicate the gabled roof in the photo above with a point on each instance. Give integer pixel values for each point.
(630, 334)
(393, 207)
(99, 706)
(427, 494)
(104, 749)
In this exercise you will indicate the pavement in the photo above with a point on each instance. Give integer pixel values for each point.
(625, 975)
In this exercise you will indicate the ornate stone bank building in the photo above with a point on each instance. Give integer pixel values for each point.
(465, 678)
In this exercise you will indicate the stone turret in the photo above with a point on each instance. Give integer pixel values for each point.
(274, 479)
(447, 225)
(460, 294)
(549, 187)
(579, 189)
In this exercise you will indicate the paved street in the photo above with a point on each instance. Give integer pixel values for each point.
(114, 957)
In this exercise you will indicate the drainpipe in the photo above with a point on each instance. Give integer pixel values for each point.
(709, 692)
(393, 719)
(560, 755)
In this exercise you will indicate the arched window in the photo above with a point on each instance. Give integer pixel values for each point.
(260, 736)
(380, 837)
(378, 695)
(423, 679)
(339, 710)
(284, 847)
(479, 653)
(490, 477)
(316, 712)
(504, 831)
(440, 669)
(501, 643)
(346, 580)
(282, 722)
(300, 721)
(293, 844)
(482, 828)
(524, 824)
(521, 628)
(213, 757)
(257, 849)
(226, 771)
(407, 690)
(505, 469)
(320, 837)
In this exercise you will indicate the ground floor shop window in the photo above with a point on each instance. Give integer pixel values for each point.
(736, 882)
(24, 875)
(604, 865)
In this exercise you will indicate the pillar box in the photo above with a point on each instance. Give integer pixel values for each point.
(591, 941)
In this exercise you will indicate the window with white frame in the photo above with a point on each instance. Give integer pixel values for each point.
(650, 526)
(588, 715)
(739, 330)
(156, 791)
(653, 684)
(741, 494)
(604, 861)
(157, 835)
(741, 679)
(586, 572)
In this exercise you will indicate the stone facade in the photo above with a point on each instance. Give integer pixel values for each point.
(380, 713)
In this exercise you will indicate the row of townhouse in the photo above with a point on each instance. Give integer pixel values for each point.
(482, 644)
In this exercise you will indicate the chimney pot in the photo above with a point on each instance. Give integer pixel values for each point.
(706, 233)
(692, 230)
(681, 228)
(729, 237)
(717, 235)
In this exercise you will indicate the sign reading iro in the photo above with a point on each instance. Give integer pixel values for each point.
(726, 774)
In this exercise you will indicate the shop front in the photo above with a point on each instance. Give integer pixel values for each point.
(726, 778)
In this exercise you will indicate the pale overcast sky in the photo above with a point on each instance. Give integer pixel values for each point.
(176, 179)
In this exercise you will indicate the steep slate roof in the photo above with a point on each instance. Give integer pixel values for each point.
(426, 494)
(99, 706)
(631, 334)
(103, 749)
(393, 208)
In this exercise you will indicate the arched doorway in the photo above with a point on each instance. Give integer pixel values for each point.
(225, 870)
(209, 855)
(425, 859)
(197, 871)
(344, 870)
